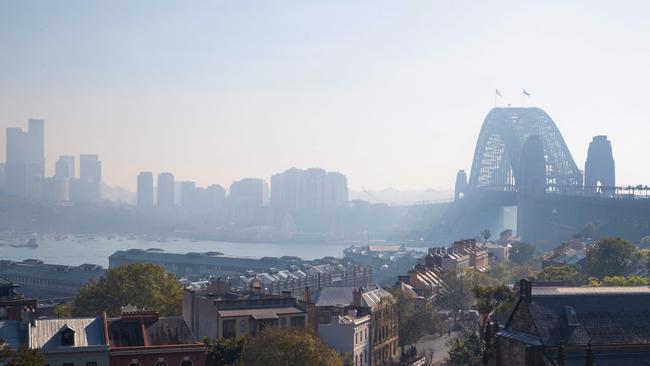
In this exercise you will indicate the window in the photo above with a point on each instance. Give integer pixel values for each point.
(68, 364)
(67, 336)
(186, 362)
(134, 362)
(229, 330)
(242, 327)
(283, 322)
(161, 362)
(91, 363)
(297, 321)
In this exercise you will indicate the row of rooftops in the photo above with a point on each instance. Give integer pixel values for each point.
(98, 332)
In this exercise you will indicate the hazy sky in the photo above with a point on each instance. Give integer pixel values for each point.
(391, 93)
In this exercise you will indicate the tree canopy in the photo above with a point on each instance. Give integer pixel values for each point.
(490, 298)
(521, 252)
(146, 286)
(611, 257)
(225, 351)
(23, 356)
(289, 347)
(465, 350)
(619, 281)
(562, 273)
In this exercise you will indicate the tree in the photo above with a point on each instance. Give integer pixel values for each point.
(645, 242)
(23, 356)
(561, 273)
(143, 285)
(611, 257)
(458, 296)
(414, 322)
(486, 234)
(289, 347)
(619, 281)
(521, 252)
(225, 351)
(490, 298)
(465, 350)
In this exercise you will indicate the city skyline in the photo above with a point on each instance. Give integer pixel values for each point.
(391, 97)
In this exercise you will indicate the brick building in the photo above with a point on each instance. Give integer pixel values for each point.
(575, 326)
(218, 312)
(143, 338)
(372, 300)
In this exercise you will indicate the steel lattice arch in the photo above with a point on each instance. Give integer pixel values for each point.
(497, 155)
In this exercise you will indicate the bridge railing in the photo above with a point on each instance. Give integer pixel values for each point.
(620, 192)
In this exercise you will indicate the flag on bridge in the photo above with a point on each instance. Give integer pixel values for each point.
(498, 92)
(526, 93)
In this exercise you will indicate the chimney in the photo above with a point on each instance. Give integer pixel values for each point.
(526, 289)
(306, 297)
(28, 316)
(356, 297)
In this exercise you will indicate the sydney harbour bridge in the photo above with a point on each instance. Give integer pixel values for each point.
(521, 160)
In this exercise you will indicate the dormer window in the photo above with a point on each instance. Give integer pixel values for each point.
(67, 336)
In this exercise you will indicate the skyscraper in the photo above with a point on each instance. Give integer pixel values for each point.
(248, 193)
(36, 147)
(145, 191)
(87, 189)
(65, 167)
(308, 190)
(90, 168)
(166, 191)
(25, 164)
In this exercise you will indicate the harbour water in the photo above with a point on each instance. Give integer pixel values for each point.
(76, 250)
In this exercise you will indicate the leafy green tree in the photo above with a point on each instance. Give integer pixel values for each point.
(225, 351)
(415, 322)
(619, 281)
(562, 273)
(459, 295)
(289, 347)
(611, 257)
(645, 242)
(521, 252)
(143, 285)
(465, 350)
(486, 234)
(23, 356)
(489, 299)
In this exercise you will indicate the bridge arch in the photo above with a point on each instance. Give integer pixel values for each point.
(497, 156)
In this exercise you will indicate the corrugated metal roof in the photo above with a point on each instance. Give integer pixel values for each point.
(334, 296)
(263, 313)
(88, 332)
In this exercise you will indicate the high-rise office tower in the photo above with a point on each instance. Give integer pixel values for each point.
(25, 164)
(90, 168)
(215, 196)
(165, 191)
(248, 193)
(187, 194)
(336, 190)
(145, 190)
(313, 189)
(64, 167)
(87, 189)
(36, 149)
(308, 190)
